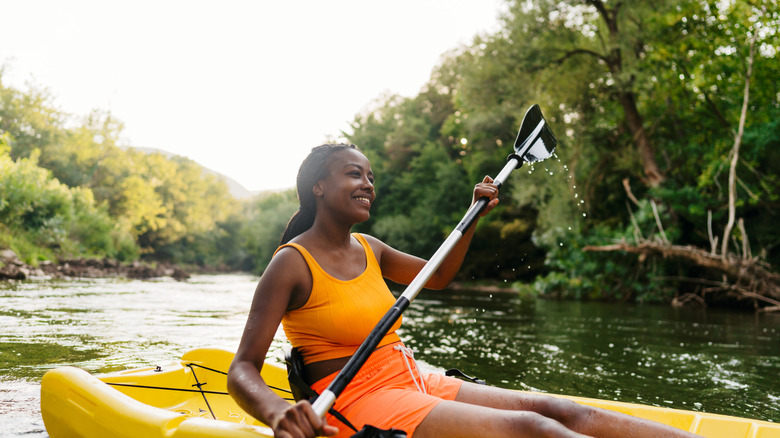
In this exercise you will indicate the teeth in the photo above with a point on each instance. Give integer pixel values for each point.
(365, 200)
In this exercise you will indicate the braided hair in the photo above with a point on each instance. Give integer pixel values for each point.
(313, 169)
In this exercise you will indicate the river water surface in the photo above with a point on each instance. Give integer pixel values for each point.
(705, 360)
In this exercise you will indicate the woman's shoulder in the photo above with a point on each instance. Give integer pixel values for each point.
(297, 247)
(288, 258)
(369, 238)
(289, 275)
(373, 241)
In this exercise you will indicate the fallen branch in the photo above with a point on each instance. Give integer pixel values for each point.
(684, 299)
(763, 284)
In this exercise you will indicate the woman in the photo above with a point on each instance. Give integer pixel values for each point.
(324, 284)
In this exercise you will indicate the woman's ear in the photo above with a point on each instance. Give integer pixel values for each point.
(317, 190)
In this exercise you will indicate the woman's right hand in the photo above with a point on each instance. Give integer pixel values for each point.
(300, 421)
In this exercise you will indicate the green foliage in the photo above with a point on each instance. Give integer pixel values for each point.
(422, 202)
(577, 274)
(72, 190)
(672, 71)
(267, 216)
(46, 217)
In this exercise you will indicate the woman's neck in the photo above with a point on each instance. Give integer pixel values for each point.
(330, 234)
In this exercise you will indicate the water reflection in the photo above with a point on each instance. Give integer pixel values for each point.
(708, 360)
(711, 360)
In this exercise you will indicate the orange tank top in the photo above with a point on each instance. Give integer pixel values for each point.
(339, 314)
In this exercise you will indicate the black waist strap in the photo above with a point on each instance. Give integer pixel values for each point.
(301, 390)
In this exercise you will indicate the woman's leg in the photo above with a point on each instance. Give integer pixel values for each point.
(461, 420)
(573, 416)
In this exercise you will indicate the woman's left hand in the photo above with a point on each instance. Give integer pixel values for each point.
(486, 189)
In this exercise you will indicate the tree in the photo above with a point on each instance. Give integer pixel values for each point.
(266, 216)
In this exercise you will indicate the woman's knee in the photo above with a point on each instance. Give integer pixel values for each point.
(533, 424)
(562, 410)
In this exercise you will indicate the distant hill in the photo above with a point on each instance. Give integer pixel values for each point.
(236, 189)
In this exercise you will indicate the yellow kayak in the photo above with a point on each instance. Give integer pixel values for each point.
(188, 399)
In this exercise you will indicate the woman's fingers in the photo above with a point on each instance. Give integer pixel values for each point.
(322, 428)
(300, 421)
(486, 189)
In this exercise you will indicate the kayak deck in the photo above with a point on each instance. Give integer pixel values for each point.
(180, 400)
(188, 399)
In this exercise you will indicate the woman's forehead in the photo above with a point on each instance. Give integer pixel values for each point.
(351, 157)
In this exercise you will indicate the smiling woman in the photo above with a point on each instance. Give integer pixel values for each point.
(325, 285)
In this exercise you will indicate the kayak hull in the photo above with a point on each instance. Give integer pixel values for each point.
(188, 399)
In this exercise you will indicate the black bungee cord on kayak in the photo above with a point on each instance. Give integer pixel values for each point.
(200, 387)
(197, 385)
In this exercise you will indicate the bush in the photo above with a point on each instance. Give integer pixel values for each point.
(613, 275)
(46, 219)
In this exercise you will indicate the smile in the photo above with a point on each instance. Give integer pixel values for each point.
(363, 200)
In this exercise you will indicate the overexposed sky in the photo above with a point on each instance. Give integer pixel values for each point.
(244, 87)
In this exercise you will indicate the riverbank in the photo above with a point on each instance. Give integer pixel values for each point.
(12, 268)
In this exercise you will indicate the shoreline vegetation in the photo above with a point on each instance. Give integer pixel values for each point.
(663, 188)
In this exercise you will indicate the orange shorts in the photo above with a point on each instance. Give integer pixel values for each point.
(385, 395)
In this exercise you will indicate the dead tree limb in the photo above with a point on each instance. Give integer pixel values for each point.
(735, 152)
(748, 278)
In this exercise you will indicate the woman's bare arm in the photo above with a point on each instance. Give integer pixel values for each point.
(284, 282)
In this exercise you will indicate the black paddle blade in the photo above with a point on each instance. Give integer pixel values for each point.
(535, 140)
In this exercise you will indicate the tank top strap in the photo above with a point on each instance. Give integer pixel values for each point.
(371, 261)
(306, 255)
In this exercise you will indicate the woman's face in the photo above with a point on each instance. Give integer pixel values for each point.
(348, 190)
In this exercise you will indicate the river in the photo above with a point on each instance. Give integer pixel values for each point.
(709, 360)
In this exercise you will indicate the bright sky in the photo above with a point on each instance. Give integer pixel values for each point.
(244, 87)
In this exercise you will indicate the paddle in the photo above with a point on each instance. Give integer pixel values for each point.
(535, 142)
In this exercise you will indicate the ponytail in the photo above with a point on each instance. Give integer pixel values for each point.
(299, 222)
(313, 169)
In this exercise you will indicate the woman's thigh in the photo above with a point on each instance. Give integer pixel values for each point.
(499, 398)
(462, 420)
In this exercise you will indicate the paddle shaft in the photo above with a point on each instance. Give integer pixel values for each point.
(325, 401)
